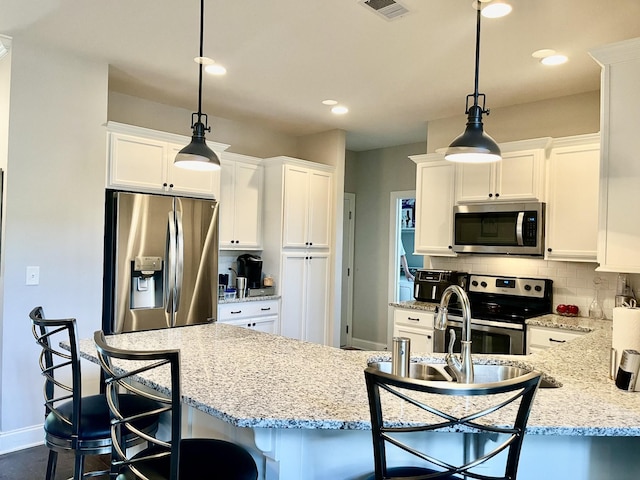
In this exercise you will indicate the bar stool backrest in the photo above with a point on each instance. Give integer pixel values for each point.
(401, 408)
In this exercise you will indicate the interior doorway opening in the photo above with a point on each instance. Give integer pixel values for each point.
(401, 244)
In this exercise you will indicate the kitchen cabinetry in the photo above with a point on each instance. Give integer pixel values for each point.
(304, 291)
(141, 160)
(519, 176)
(241, 187)
(260, 315)
(541, 338)
(434, 205)
(299, 210)
(415, 325)
(306, 207)
(619, 228)
(572, 201)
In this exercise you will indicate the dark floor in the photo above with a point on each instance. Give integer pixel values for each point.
(31, 464)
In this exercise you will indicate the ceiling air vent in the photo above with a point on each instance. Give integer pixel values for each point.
(388, 9)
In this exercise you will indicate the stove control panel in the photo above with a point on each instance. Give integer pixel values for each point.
(516, 286)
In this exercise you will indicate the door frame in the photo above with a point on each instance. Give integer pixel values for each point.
(395, 209)
(348, 249)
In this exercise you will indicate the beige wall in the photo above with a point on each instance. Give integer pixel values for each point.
(374, 174)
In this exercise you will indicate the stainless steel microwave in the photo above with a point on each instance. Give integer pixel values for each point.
(500, 228)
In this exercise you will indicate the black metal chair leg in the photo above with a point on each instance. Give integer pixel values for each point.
(51, 465)
(78, 471)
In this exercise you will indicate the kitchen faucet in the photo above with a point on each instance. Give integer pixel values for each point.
(462, 366)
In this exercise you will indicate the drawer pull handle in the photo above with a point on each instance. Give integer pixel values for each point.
(557, 341)
(413, 319)
(236, 312)
(265, 309)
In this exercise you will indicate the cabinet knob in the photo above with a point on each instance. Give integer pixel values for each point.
(450, 247)
(310, 243)
(164, 184)
(490, 195)
(497, 195)
(549, 249)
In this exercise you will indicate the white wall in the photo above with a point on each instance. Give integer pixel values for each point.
(53, 217)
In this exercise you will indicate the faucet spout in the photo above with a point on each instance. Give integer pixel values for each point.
(463, 367)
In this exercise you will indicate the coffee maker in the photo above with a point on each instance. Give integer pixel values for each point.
(250, 266)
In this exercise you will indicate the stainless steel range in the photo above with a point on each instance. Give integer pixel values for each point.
(499, 308)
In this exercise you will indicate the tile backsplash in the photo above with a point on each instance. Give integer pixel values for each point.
(572, 281)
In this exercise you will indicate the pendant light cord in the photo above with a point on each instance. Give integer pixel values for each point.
(200, 61)
(475, 90)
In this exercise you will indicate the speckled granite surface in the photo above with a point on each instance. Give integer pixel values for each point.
(253, 379)
(249, 299)
(415, 305)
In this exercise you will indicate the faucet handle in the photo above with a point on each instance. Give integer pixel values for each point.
(454, 363)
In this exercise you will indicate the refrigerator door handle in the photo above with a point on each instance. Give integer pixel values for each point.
(179, 259)
(170, 271)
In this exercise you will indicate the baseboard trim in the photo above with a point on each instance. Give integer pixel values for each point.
(367, 345)
(20, 439)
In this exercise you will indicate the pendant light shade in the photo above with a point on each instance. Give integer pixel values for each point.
(474, 145)
(197, 155)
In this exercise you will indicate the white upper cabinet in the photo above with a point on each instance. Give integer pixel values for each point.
(572, 201)
(241, 185)
(434, 205)
(518, 176)
(141, 160)
(307, 207)
(619, 227)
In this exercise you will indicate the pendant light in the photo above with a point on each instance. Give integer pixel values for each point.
(197, 155)
(474, 145)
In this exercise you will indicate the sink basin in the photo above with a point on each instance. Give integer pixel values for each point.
(482, 373)
(420, 371)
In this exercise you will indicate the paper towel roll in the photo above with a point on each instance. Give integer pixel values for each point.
(626, 333)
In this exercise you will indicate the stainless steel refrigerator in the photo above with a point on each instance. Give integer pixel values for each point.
(160, 262)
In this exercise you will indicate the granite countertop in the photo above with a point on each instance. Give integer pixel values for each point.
(222, 301)
(254, 379)
(415, 305)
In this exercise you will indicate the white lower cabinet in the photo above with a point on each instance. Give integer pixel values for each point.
(541, 338)
(415, 325)
(305, 296)
(257, 315)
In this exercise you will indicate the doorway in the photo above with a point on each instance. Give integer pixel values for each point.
(401, 240)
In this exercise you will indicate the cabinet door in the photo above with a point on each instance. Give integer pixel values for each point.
(316, 296)
(319, 209)
(421, 339)
(191, 182)
(227, 211)
(572, 207)
(434, 208)
(248, 205)
(475, 182)
(293, 293)
(136, 162)
(296, 207)
(519, 176)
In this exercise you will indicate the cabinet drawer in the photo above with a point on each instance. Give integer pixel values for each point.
(234, 311)
(414, 318)
(548, 337)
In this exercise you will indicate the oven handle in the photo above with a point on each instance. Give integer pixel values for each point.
(519, 224)
(457, 321)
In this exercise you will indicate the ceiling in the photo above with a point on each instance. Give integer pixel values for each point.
(284, 57)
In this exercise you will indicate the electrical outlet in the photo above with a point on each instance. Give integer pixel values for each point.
(33, 275)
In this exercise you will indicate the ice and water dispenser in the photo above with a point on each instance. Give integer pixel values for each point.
(146, 282)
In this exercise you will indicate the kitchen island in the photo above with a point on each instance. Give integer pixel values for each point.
(302, 408)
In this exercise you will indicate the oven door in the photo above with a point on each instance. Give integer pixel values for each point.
(486, 337)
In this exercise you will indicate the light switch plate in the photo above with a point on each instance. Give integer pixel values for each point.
(33, 275)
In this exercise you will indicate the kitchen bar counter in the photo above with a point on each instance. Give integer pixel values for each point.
(251, 379)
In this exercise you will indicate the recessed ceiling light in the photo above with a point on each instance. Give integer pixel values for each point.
(204, 60)
(215, 69)
(544, 52)
(339, 110)
(554, 60)
(496, 9)
(329, 102)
